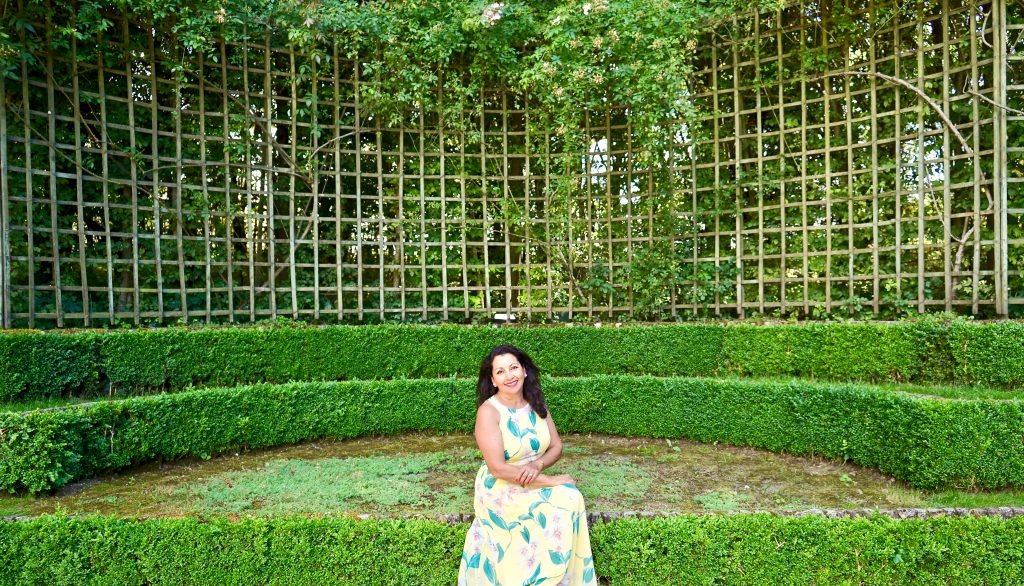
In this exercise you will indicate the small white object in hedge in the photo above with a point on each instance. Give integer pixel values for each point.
(505, 318)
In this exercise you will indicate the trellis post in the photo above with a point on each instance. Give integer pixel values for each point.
(999, 138)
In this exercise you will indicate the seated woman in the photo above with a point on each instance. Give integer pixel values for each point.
(530, 528)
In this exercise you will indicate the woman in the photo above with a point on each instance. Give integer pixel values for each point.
(530, 527)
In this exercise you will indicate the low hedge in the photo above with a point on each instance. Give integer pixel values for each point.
(928, 442)
(45, 365)
(902, 352)
(35, 365)
(139, 361)
(735, 549)
(993, 354)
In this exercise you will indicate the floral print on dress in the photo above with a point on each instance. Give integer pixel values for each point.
(523, 536)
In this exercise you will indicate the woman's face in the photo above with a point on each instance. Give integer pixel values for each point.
(507, 374)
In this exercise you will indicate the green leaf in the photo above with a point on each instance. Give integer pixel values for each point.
(497, 520)
(489, 572)
(474, 562)
(512, 427)
(532, 579)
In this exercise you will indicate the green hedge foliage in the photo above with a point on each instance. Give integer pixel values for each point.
(991, 355)
(904, 352)
(138, 361)
(34, 365)
(734, 549)
(928, 442)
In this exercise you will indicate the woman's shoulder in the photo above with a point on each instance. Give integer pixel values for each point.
(488, 410)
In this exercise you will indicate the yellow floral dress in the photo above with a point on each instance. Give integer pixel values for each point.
(525, 536)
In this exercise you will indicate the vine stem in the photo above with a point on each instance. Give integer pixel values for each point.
(962, 241)
(920, 93)
(997, 105)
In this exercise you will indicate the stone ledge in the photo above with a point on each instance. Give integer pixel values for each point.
(607, 516)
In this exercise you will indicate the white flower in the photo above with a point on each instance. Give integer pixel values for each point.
(492, 13)
(587, 7)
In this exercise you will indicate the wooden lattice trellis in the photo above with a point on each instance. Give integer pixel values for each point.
(890, 178)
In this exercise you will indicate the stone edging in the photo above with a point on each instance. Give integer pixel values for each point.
(605, 517)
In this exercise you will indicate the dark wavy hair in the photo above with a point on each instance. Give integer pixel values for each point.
(531, 386)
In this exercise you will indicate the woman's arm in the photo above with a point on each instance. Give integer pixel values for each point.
(531, 472)
(488, 438)
(554, 452)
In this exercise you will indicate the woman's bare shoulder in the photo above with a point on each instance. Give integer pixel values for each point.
(487, 412)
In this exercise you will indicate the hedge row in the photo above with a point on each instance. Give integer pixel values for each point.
(35, 365)
(928, 442)
(735, 549)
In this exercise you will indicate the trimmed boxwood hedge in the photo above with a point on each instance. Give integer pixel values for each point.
(35, 365)
(993, 354)
(45, 365)
(735, 549)
(137, 361)
(928, 442)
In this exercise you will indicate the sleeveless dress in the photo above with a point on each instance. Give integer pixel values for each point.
(523, 536)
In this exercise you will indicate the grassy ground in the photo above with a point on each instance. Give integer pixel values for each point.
(50, 402)
(430, 474)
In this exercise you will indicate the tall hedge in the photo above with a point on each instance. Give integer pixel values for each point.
(34, 365)
(928, 442)
(735, 549)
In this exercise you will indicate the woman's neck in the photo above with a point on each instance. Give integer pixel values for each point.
(511, 400)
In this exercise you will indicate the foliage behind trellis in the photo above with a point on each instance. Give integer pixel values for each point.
(812, 174)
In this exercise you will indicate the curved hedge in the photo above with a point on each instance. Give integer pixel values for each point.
(928, 442)
(34, 365)
(735, 549)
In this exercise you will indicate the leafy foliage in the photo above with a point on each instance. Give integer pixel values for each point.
(927, 441)
(38, 365)
(733, 549)
(801, 215)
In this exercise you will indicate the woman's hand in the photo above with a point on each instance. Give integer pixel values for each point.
(529, 473)
(564, 479)
(545, 481)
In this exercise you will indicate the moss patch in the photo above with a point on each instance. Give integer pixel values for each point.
(432, 474)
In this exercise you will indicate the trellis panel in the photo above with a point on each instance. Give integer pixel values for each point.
(884, 178)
